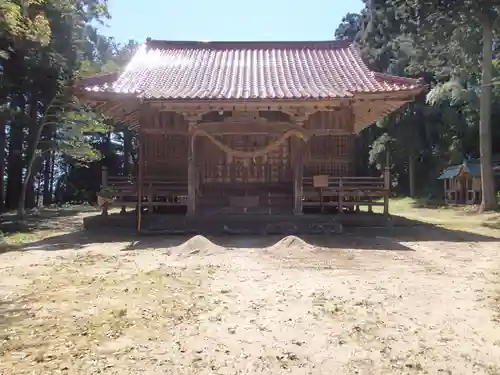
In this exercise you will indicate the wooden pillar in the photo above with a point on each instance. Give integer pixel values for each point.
(104, 182)
(140, 179)
(298, 146)
(298, 152)
(191, 202)
(387, 183)
(150, 198)
(104, 177)
(141, 137)
(341, 196)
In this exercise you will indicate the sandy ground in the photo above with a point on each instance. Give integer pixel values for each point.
(252, 305)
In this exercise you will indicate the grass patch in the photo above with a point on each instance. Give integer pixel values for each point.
(21, 238)
(464, 218)
(40, 224)
(493, 222)
(16, 241)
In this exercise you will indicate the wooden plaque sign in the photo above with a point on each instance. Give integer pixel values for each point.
(320, 181)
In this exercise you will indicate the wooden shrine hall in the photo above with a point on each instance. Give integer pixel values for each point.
(246, 127)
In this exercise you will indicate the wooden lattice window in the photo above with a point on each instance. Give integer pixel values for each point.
(331, 146)
(221, 167)
(166, 147)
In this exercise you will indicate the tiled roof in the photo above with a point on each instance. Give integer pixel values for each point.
(247, 70)
(472, 167)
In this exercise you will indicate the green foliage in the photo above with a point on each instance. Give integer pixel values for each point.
(441, 42)
(47, 44)
(24, 19)
(463, 52)
(378, 150)
(349, 27)
(452, 92)
(74, 124)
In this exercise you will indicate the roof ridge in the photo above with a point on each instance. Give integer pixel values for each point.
(180, 44)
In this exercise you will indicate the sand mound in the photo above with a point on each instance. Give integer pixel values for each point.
(291, 244)
(198, 246)
(292, 241)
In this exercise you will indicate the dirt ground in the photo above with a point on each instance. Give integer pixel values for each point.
(353, 304)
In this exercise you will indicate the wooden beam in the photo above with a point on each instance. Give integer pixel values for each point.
(286, 106)
(330, 160)
(225, 128)
(298, 149)
(268, 127)
(190, 105)
(191, 201)
(140, 177)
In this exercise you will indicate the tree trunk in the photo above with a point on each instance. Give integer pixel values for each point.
(38, 190)
(52, 174)
(47, 194)
(3, 123)
(411, 175)
(21, 212)
(36, 134)
(29, 199)
(14, 158)
(48, 135)
(488, 201)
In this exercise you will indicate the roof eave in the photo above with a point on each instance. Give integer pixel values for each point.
(98, 80)
(400, 95)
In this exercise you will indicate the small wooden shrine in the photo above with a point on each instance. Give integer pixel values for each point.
(462, 182)
(246, 127)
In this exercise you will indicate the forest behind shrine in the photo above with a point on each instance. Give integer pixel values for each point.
(55, 147)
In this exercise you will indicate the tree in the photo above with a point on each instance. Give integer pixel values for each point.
(73, 124)
(45, 43)
(387, 50)
(24, 20)
(349, 27)
(466, 29)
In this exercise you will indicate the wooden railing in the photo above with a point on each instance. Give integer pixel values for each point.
(338, 192)
(121, 185)
(347, 192)
(122, 190)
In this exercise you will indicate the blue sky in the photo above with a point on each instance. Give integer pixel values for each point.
(226, 20)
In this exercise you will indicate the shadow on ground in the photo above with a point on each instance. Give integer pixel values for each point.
(83, 240)
(379, 238)
(46, 219)
(363, 232)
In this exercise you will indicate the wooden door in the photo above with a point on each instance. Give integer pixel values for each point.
(219, 167)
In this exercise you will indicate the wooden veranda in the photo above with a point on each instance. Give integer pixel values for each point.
(246, 127)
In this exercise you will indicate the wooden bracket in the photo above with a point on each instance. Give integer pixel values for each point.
(300, 119)
(193, 117)
(192, 120)
(300, 115)
(294, 112)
